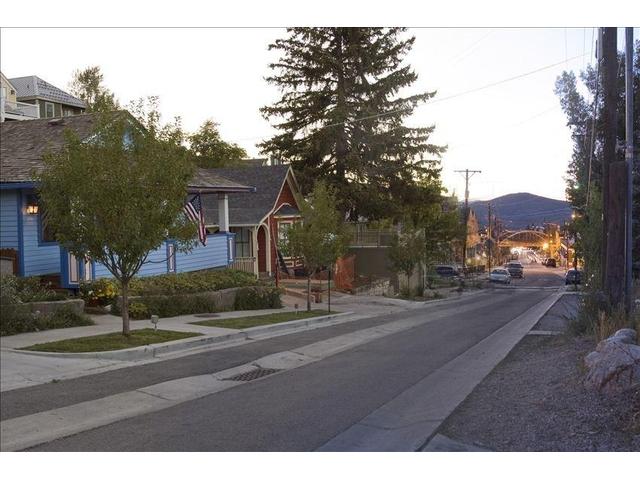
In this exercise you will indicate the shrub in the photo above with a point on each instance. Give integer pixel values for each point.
(16, 322)
(170, 305)
(254, 299)
(99, 292)
(191, 282)
(26, 289)
(138, 311)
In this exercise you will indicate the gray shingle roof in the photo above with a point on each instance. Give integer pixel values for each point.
(23, 144)
(248, 208)
(34, 87)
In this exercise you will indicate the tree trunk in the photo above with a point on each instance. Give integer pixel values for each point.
(309, 293)
(125, 309)
(329, 292)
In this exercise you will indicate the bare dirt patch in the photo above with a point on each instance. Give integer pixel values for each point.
(535, 401)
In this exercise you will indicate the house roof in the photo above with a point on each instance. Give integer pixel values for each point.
(31, 87)
(23, 144)
(287, 210)
(249, 208)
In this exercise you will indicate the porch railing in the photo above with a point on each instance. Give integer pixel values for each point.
(244, 264)
(19, 109)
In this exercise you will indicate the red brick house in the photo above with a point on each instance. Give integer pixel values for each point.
(259, 219)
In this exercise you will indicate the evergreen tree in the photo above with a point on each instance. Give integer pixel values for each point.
(342, 117)
(87, 86)
(210, 151)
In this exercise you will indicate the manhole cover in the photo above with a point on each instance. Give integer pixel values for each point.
(252, 374)
(207, 315)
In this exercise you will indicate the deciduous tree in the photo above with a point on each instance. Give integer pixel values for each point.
(87, 86)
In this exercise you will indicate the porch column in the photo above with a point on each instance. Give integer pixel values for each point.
(254, 249)
(223, 212)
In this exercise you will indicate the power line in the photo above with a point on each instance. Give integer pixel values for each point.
(442, 99)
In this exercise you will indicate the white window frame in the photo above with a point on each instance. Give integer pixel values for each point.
(53, 112)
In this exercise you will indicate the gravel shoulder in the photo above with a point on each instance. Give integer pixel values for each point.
(534, 400)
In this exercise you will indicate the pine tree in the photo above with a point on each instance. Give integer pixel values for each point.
(342, 117)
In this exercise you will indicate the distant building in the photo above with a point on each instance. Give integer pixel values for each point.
(10, 107)
(49, 100)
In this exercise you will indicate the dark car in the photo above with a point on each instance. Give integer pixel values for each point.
(573, 277)
(516, 270)
(551, 262)
(447, 271)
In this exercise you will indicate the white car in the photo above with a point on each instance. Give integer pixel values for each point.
(500, 275)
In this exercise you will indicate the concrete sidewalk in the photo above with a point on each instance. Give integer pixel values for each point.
(24, 369)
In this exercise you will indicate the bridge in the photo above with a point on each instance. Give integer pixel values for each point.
(523, 238)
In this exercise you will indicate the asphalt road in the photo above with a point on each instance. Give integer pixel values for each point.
(536, 275)
(296, 410)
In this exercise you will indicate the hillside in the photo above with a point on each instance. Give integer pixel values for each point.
(517, 210)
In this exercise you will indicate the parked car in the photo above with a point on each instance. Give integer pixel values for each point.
(516, 270)
(551, 262)
(447, 271)
(500, 275)
(573, 277)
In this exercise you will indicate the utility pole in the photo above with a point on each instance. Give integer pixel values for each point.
(628, 90)
(613, 178)
(490, 240)
(467, 175)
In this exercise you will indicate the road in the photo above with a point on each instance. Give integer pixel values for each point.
(294, 410)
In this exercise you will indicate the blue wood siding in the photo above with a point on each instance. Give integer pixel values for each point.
(215, 254)
(37, 259)
(9, 219)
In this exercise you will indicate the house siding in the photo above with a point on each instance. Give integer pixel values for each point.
(217, 253)
(38, 259)
(9, 219)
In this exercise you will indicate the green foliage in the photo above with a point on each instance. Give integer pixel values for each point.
(139, 173)
(99, 292)
(210, 151)
(191, 282)
(258, 299)
(87, 86)
(26, 289)
(13, 321)
(407, 250)
(330, 79)
(321, 237)
(138, 311)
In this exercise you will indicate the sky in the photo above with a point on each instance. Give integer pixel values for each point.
(515, 132)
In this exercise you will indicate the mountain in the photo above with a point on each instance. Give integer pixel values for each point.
(517, 210)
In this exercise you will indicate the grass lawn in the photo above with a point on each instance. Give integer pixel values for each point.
(257, 320)
(111, 341)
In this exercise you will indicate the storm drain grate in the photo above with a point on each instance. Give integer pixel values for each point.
(253, 374)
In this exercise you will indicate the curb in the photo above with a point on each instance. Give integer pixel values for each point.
(155, 350)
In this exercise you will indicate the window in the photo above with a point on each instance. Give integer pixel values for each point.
(47, 233)
(171, 257)
(49, 110)
(242, 241)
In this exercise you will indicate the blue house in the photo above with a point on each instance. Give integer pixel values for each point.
(28, 247)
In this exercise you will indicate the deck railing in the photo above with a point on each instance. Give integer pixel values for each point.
(364, 236)
(19, 109)
(244, 264)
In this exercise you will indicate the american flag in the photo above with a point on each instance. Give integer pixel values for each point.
(193, 211)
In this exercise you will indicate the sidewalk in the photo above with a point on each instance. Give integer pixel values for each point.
(23, 369)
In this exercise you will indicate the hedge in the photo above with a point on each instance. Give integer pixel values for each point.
(191, 282)
(16, 322)
(246, 298)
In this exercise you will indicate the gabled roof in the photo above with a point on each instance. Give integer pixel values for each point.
(28, 88)
(23, 144)
(249, 208)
